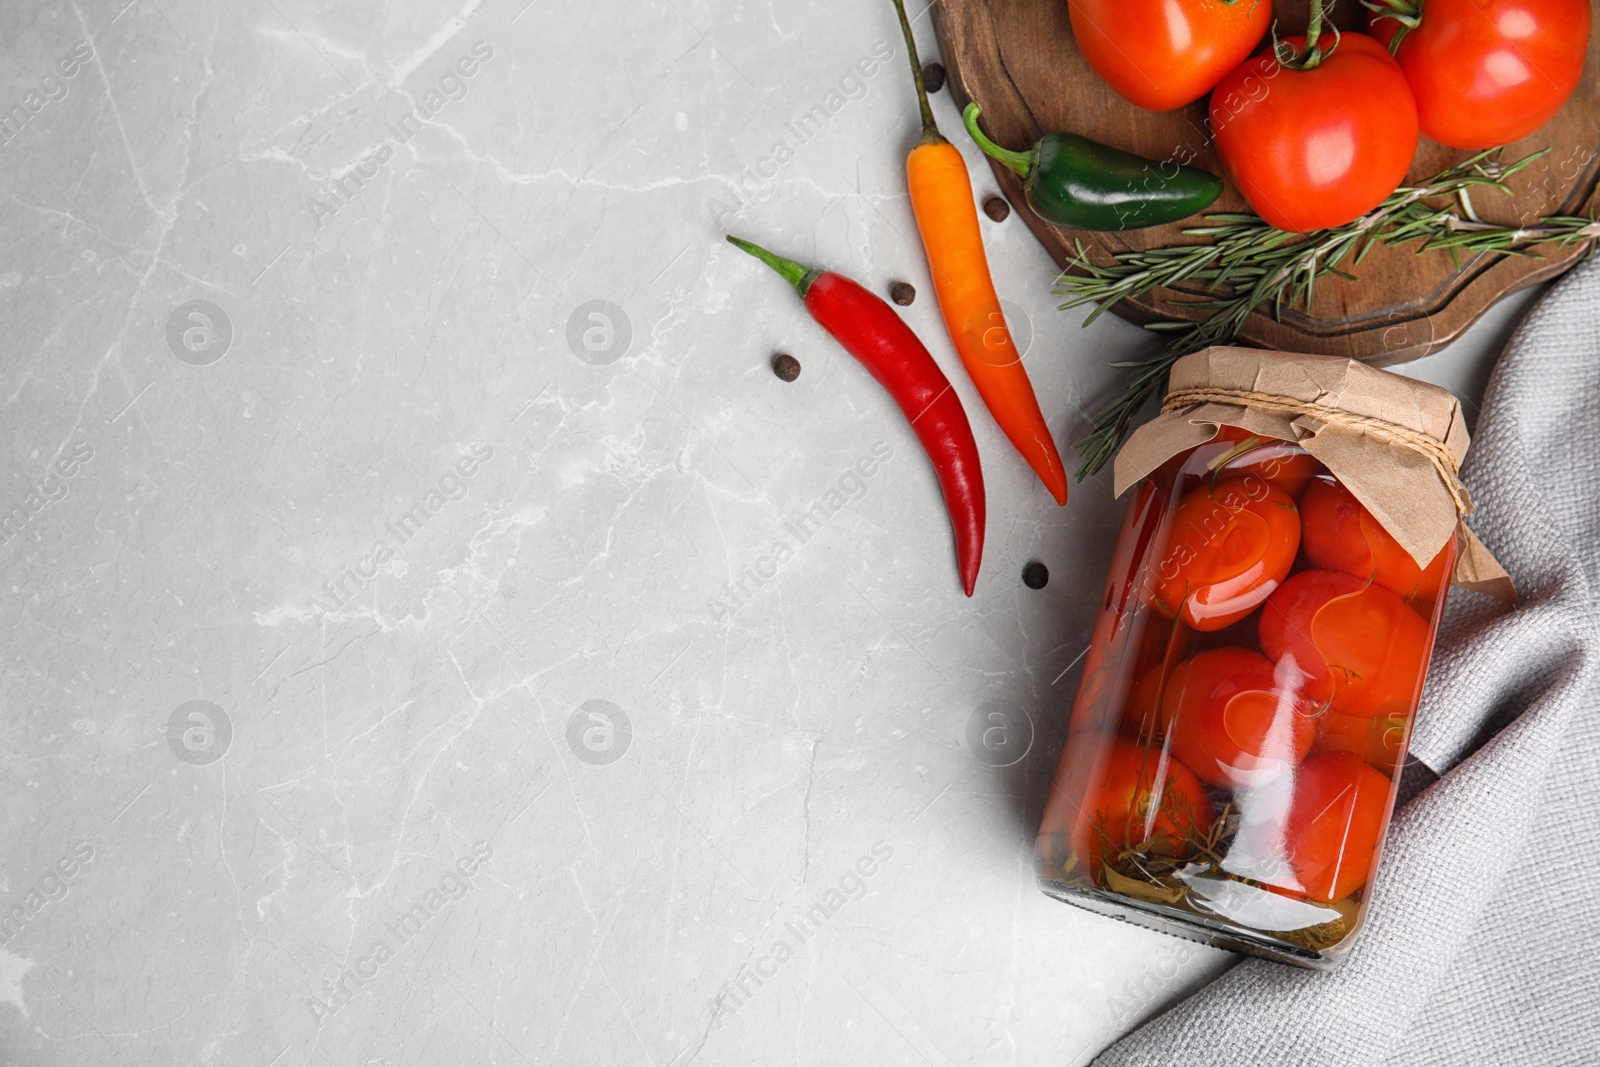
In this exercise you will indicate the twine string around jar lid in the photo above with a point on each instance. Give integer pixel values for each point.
(1430, 447)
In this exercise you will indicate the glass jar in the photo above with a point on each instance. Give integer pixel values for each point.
(1234, 749)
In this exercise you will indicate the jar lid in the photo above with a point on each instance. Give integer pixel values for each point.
(1396, 443)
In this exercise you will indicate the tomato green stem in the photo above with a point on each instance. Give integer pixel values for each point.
(1395, 9)
(930, 128)
(1021, 162)
(796, 274)
(1407, 15)
(1311, 54)
(1314, 26)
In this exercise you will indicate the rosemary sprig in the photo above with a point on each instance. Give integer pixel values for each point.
(1246, 263)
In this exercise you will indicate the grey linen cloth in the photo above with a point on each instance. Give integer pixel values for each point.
(1482, 945)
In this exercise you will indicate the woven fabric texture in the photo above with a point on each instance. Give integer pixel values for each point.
(1483, 942)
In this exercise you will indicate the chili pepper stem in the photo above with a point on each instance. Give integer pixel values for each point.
(1021, 162)
(930, 128)
(796, 274)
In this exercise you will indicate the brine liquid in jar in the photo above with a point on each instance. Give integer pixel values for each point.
(1246, 700)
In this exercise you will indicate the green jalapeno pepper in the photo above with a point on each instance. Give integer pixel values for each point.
(1076, 182)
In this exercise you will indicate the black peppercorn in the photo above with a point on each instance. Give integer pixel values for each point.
(786, 366)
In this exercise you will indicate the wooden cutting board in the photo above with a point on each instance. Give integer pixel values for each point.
(1018, 59)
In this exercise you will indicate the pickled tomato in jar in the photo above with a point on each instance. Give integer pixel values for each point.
(1239, 729)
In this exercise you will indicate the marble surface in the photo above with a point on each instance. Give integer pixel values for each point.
(410, 656)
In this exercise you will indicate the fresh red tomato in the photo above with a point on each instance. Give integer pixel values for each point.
(1227, 547)
(1316, 148)
(1342, 535)
(1379, 739)
(1489, 72)
(1162, 54)
(1353, 644)
(1284, 464)
(1230, 721)
(1335, 821)
(1126, 796)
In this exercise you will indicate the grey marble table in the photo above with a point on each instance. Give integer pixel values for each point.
(411, 654)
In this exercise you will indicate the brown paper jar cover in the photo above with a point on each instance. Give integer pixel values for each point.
(1394, 442)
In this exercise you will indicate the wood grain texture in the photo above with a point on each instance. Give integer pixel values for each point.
(1018, 59)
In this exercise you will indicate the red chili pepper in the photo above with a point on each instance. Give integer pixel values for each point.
(869, 330)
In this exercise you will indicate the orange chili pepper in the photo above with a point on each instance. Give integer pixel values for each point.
(947, 218)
